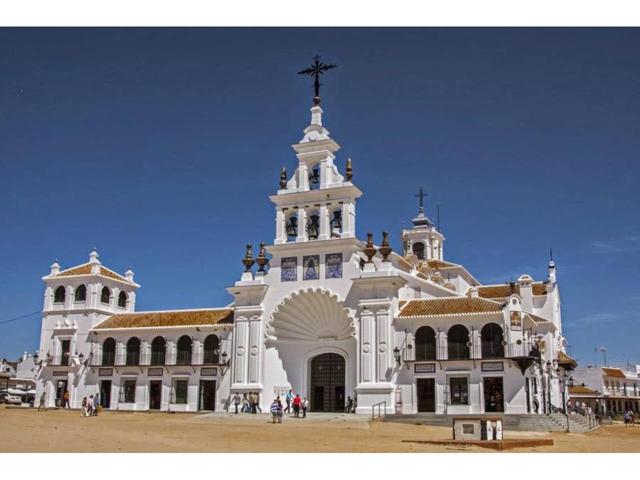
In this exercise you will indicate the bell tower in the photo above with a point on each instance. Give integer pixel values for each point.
(423, 241)
(317, 202)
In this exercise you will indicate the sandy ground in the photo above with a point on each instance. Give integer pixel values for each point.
(26, 430)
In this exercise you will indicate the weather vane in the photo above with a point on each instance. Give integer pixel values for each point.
(316, 69)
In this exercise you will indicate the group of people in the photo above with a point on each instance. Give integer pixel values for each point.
(629, 418)
(247, 403)
(295, 403)
(90, 406)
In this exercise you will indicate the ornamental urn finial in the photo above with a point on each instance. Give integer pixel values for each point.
(369, 250)
(262, 259)
(349, 170)
(385, 250)
(248, 260)
(283, 178)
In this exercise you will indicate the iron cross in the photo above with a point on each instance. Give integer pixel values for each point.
(316, 69)
(421, 196)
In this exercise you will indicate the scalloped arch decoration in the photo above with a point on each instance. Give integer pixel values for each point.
(311, 315)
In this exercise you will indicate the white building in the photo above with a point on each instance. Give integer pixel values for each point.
(332, 317)
(607, 390)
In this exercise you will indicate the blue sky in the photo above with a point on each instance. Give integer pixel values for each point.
(161, 146)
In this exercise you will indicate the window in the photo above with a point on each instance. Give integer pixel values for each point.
(109, 352)
(59, 295)
(457, 343)
(313, 227)
(180, 388)
(184, 351)
(212, 350)
(291, 227)
(133, 351)
(129, 391)
(459, 388)
(105, 295)
(492, 336)
(65, 346)
(158, 351)
(425, 344)
(81, 294)
(122, 300)
(418, 250)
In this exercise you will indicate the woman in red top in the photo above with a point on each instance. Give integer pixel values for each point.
(296, 405)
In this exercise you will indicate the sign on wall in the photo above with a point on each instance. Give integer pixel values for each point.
(105, 372)
(59, 373)
(155, 372)
(333, 263)
(289, 269)
(516, 319)
(208, 371)
(424, 368)
(311, 267)
(492, 367)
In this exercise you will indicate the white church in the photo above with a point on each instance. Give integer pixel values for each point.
(320, 312)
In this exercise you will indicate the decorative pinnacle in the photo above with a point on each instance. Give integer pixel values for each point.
(283, 178)
(369, 250)
(248, 260)
(262, 260)
(385, 250)
(316, 69)
(349, 170)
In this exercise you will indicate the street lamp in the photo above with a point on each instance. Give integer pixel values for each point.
(396, 354)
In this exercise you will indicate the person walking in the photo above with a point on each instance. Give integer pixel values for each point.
(245, 403)
(288, 399)
(296, 406)
(258, 407)
(274, 410)
(236, 401)
(280, 412)
(90, 405)
(65, 399)
(349, 406)
(305, 407)
(252, 403)
(83, 407)
(41, 404)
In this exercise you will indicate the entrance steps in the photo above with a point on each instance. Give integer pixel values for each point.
(555, 422)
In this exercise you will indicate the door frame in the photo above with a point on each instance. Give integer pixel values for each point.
(106, 398)
(151, 382)
(307, 372)
(484, 393)
(200, 391)
(435, 395)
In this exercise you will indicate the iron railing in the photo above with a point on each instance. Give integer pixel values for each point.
(381, 412)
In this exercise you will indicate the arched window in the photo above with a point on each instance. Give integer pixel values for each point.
(109, 352)
(184, 351)
(122, 300)
(81, 294)
(418, 250)
(59, 295)
(105, 295)
(457, 342)
(133, 351)
(211, 349)
(491, 336)
(158, 351)
(425, 344)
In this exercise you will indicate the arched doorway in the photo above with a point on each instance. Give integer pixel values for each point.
(327, 383)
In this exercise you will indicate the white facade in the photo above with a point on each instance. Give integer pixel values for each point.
(331, 317)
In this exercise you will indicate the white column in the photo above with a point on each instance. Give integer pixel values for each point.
(131, 304)
(68, 298)
(325, 232)
(383, 347)
(367, 346)
(240, 339)
(303, 177)
(145, 353)
(281, 236)
(324, 173)
(442, 353)
(348, 220)
(302, 225)
(255, 350)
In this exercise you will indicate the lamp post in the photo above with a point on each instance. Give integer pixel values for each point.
(396, 354)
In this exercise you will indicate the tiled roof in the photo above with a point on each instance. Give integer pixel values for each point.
(502, 291)
(86, 270)
(441, 264)
(581, 390)
(613, 372)
(177, 318)
(449, 306)
(565, 359)
(536, 319)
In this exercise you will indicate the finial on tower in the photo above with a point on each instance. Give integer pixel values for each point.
(349, 170)
(55, 268)
(316, 69)
(421, 219)
(262, 259)
(283, 178)
(248, 260)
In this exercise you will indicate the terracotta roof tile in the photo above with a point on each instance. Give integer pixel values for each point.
(563, 358)
(449, 306)
(582, 390)
(86, 270)
(613, 372)
(502, 291)
(178, 318)
(441, 264)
